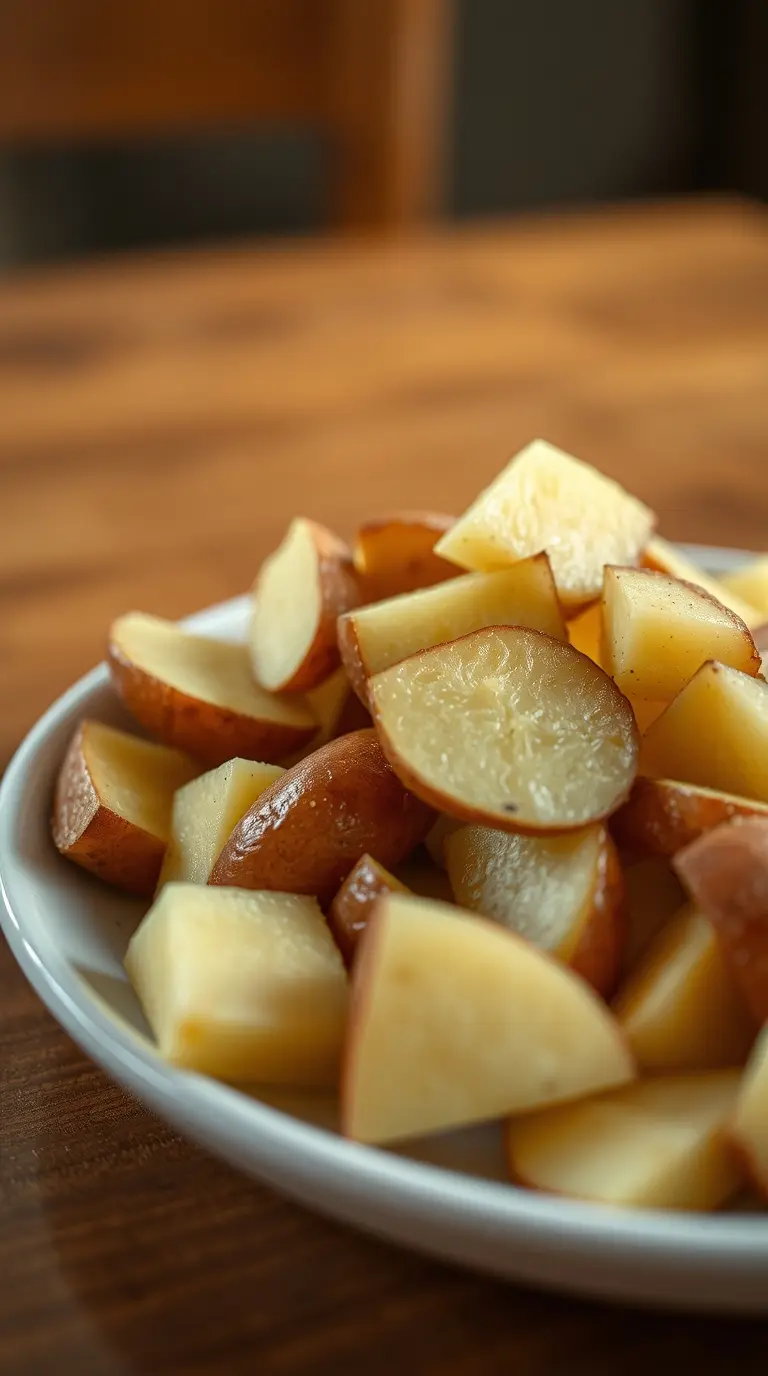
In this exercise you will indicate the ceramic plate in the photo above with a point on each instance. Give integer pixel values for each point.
(447, 1196)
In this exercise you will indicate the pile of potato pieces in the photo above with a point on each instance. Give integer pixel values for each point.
(573, 719)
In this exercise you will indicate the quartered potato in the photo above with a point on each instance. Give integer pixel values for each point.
(350, 911)
(204, 814)
(396, 554)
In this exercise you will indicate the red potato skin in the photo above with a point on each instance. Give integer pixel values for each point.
(390, 575)
(726, 874)
(662, 816)
(350, 911)
(97, 839)
(208, 733)
(352, 659)
(599, 952)
(308, 830)
(339, 593)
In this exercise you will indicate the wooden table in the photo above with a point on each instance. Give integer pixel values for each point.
(160, 421)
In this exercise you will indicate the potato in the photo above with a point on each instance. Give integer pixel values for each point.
(337, 711)
(300, 591)
(563, 893)
(547, 500)
(350, 911)
(657, 631)
(205, 813)
(395, 554)
(750, 582)
(659, 1143)
(726, 874)
(662, 816)
(373, 638)
(585, 632)
(242, 986)
(654, 895)
(510, 728)
(714, 733)
(666, 558)
(680, 1007)
(437, 836)
(306, 832)
(112, 805)
(455, 1020)
(198, 694)
(749, 1126)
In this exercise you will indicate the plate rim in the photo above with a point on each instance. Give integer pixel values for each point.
(220, 1116)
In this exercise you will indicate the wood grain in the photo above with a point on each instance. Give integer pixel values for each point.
(160, 421)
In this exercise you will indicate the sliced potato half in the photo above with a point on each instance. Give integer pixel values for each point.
(662, 816)
(395, 554)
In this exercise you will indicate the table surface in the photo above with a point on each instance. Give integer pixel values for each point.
(160, 421)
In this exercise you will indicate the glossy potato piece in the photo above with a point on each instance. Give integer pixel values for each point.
(546, 499)
(681, 1008)
(726, 874)
(510, 728)
(112, 805)
(351, 909)
(751, 583)
(373, 638)
(198, 694)
(663, 816)
(659, 1143)
(659, 554)
(657, 631)
(395, 554)
(585, 632)
(246, 987)
(749, 1127)
(300, 591)
(455, 1020)
(205, 812)
(714, 733)
(563, 893)
(309, 829)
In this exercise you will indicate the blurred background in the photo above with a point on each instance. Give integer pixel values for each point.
(154, 123)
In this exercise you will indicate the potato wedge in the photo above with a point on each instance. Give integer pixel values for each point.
(337, 711)
(659, 1143)
(205, 812)
(306, 832)
(659, 554)
(726, 874)
(454, 1020)
(395, 554)
(751, 583)
(510, 728)
(351, 909)
(198, 694)
(657, 631)
(243, 986)
(373, 638)
(681, 1008)
(546, 499)
(662, 816)
(437, 835)
(112, 805)
(563, 893)
(299, 592)
(585, 632)
(654, 896)
(749, 1128)
(714, 733)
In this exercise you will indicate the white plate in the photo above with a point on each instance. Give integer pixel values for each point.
(447, 1196)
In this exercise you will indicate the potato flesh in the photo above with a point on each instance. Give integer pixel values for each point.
(585, 632)
(212, 671)
(751, 583)
(510, 726)
(546, 499)
(659, 1143)
(287, 607)
(750, 1121)
(204, 814)
(396, 554)
(241, 986)
(714, 733)
(681, 1009)
(455, 1020)
(658, 631)
(539, 887)
(654, 895)
(666, 558)
(135, 779)
(521, 596)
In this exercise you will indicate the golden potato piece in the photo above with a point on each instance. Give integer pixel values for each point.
(204, 814)
(112, 805)
(298, 595)
(395, 554)
(750, 582)
(662, 816)
(198, 694)
(547, 500)
(666, 558)
(350, 911)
